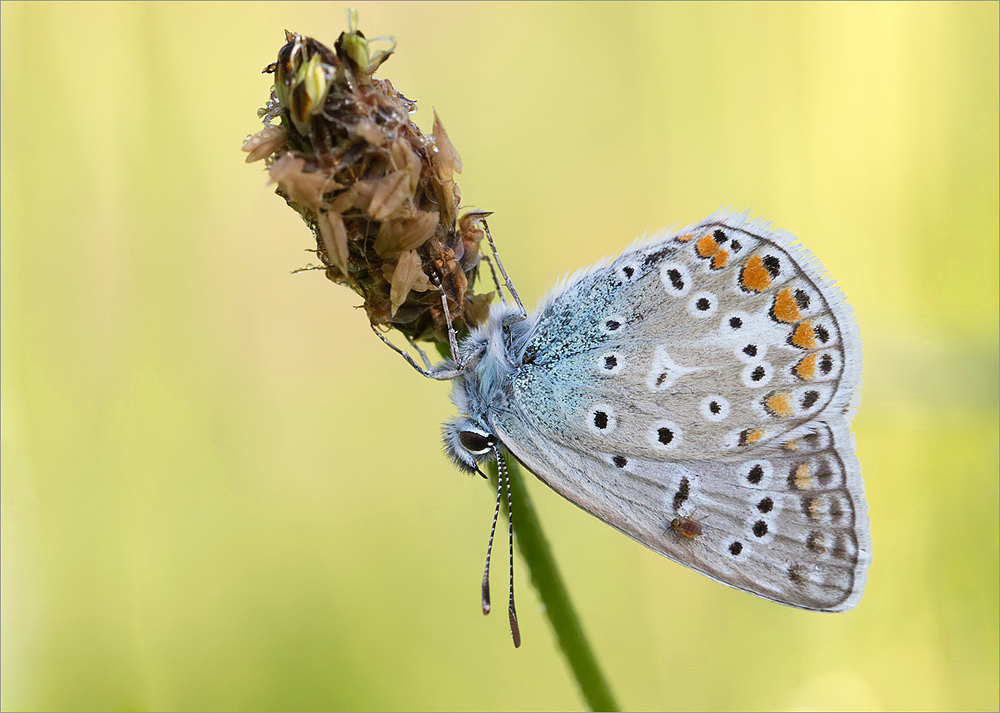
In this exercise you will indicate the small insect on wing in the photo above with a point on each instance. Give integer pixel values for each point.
(688, 526)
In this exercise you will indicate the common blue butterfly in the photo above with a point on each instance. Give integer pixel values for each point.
(696, 394)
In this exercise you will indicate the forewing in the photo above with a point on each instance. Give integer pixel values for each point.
(711, 342)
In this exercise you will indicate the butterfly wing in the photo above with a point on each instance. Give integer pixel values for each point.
(725, 334)
(789, 525)
(659, 385)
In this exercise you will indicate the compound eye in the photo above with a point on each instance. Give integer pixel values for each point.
(476, 442)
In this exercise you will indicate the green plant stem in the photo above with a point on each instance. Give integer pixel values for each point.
(545, 576)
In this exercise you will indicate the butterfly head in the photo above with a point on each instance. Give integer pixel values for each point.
(467, 441)
(486, 359)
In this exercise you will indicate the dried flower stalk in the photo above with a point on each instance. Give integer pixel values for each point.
(381, 200)
(379, 196)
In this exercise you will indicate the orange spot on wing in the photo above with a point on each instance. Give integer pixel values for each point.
(706, 246)
(804, 335)
(785, 308)
(684, 238)
(780, 404)
(815, 507)
(751, 435)
(802, 477)
(806, 368)
(720, 259)
(755, 276)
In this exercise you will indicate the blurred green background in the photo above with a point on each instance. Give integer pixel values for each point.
(220, 491)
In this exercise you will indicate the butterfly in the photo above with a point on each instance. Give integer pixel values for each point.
(715, 371)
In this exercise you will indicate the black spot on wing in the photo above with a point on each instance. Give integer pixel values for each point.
(683, 491)
(657, 255)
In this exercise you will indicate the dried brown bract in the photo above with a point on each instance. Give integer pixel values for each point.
(379, 196)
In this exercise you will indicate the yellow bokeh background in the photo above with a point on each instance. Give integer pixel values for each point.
(219, 491)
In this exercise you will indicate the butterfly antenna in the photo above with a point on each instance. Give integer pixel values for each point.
(515, 630)
(489, 552)
(510, 285)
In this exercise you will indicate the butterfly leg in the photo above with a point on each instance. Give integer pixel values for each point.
(421, 352)
(452, 336)
(510, 285)
(430, 373)
(496, 280)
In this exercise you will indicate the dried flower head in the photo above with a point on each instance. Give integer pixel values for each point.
(379, 196)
